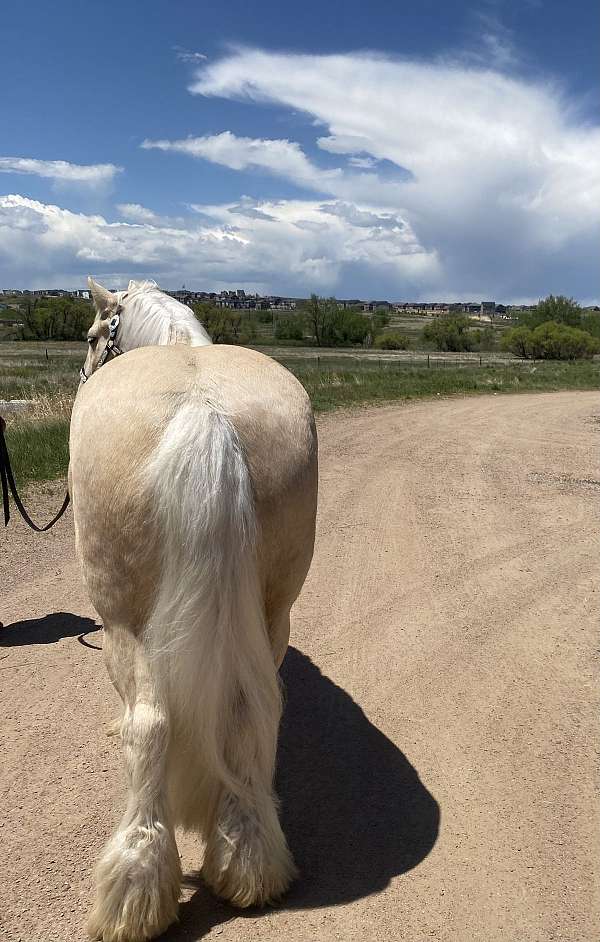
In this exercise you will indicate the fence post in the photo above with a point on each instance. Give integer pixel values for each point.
(318, 364)
(480, 360)
(428, 367)
(47, 353)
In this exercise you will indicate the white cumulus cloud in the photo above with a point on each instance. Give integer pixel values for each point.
(137, 213)
(61, 170)
(288, 246)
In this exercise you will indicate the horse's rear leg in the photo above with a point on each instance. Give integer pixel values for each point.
(247, 860)
(138, 876)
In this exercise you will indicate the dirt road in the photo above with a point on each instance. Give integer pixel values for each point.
(438, 759)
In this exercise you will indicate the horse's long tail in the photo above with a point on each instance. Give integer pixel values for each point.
(207, 636)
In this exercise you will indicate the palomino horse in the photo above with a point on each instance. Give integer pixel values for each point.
(193, 477)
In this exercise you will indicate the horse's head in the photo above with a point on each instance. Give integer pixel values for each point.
(152, 318)
(106, 305)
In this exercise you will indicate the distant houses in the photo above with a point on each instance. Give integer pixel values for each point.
(372, 307)
(239, 300)
(81, 293)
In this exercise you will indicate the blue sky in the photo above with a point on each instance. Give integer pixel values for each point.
(442, 150)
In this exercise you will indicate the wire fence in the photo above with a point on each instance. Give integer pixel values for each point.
(352, 362)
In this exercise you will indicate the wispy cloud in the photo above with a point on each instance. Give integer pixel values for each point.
(61, 170)
(186, 55)
(493, 42)
(286, 159)
(365, 163)
(281, 157)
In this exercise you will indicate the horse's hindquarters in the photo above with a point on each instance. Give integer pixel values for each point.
(118, 421)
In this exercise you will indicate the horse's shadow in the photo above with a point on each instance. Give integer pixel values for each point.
(46, 630)
(353, 808)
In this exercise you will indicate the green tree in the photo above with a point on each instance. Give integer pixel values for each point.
(331, 326)
(56, 319)
(559, 309)
(349, 327)
(224, 325)
(289, 327)
(319, 314)
(449, 333)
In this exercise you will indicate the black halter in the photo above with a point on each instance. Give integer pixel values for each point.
(111, 350)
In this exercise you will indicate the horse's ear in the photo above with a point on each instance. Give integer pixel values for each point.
(104, 300)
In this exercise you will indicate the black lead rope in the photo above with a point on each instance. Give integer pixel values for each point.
(8, 483)
(6, 476)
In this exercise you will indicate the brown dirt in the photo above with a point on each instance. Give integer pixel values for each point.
(438, 760)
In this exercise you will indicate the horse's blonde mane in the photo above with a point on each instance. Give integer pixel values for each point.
(157, 318)
(148, 285)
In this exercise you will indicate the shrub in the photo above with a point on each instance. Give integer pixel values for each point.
(518, 340)
(590, 322)
(289, 327)
(380, 320)
(484, 339)
(551, 341)
(392, 341)
(449, 333)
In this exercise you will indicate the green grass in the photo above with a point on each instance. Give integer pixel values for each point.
(38, 451)
(336, 389)
(31, 376)
(38, 439)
